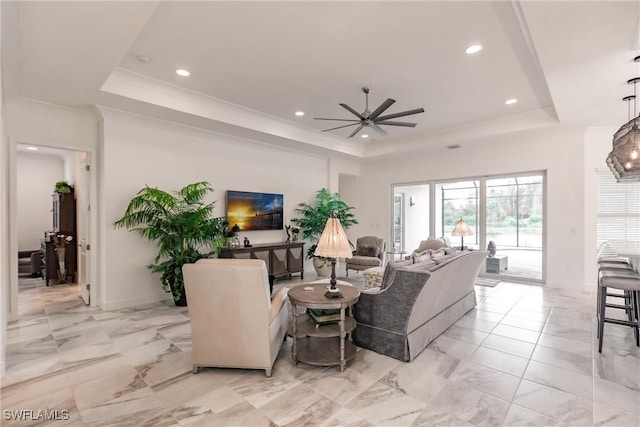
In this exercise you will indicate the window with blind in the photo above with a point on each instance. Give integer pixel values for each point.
(618, 213)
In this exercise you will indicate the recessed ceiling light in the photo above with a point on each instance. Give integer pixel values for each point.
(32, 148)
(364, 136)
(474, 48)
(183, 73)
(299, 113)
(511, 101)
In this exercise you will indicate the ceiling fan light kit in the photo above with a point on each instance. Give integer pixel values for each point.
(375, 119)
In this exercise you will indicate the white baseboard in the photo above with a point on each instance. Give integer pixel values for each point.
(117, 305)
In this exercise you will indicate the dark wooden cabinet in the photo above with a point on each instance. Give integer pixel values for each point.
(63, 222)
(282, 259)
(64, 213)
(49, 264)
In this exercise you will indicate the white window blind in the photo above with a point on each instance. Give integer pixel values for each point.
(618, 213)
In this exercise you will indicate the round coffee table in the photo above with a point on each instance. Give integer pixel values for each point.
(323, 341)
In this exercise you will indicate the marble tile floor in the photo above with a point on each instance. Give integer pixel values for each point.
(526, 356)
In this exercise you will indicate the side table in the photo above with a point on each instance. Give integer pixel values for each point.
(322, 344)
(497, 264)
(392, 255)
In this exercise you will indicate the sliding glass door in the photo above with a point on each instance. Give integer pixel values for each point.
(505, 211)
(514, 223)
(455, 201)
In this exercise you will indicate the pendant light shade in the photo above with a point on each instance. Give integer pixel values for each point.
(624, 158)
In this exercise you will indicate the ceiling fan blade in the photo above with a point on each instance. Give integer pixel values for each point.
(386, 104)
(401, 114)
(352, 111)
(356, 131)
(405, 124)
(378, 129)
(338, 120)
(340, 127)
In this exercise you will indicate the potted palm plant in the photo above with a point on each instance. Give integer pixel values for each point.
(312, 219)
(181, 224)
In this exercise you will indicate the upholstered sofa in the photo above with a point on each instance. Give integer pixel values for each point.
(417, 302)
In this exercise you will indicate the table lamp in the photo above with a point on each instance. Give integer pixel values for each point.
(461, 229)
(333, 244)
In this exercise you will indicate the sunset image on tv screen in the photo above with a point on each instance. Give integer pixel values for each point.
(254, 211)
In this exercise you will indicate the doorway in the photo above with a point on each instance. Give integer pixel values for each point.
(37, 170)
(411, 214)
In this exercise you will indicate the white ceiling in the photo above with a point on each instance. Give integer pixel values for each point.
(254, 64)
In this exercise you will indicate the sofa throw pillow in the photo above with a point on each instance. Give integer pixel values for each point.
(445, 240)
(370, 251)
(435, 255)
(431, 244)
(421, 256)
(390, 271)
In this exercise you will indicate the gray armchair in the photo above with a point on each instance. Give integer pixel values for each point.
(29, 263)
(369, 253)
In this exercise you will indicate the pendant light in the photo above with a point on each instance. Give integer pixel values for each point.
(624, 159)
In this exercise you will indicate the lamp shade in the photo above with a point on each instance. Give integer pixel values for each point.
(333, 241)
(624, 159)
(461, 229)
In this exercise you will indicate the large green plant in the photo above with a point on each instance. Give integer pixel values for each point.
(313, 217)
(181, 224)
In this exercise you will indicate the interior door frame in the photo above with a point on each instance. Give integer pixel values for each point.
(402, 222)
(84, 213)
(13, 212)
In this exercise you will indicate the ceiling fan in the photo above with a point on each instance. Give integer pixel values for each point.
(374, 119)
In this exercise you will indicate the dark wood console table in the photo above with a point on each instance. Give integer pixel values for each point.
(282, 259)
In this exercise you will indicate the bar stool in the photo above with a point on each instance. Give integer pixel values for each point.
(615, 264)
(628, 281)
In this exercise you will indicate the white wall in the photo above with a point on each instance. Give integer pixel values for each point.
(37, 175)
(558, 150)
(138, 152)
(38, 123)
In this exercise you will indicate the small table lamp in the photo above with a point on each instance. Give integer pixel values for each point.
(333, 244)
(461, 229)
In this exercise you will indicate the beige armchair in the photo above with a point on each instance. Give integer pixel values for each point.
(369, 253)
(234, 322)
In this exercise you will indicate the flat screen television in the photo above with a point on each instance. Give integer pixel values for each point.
(255, 211)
